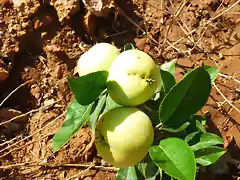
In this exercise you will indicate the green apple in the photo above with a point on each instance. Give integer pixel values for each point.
(133, 78)
(123, 136)
(97, 58)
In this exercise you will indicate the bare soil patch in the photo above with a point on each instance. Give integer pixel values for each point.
(41, 41)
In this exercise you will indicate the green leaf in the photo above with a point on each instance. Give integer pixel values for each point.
(212, 71)
(181, 128)
(169, 66)
(77, 116)
(150, 108)
(97, 112)
(189, 137)
(128, 173)
(110, 104)
(165, 176)
(168, 81)
(209, 155)
(147, 170)
(175, 157)
(87, 89)
(185, 98)
(128, 46)
(167, 71)
(200, 127)
(207, 140)
(196, 124)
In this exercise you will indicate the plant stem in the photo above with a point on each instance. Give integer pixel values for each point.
(159, 125)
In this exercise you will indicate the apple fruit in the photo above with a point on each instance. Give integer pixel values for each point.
(133, 78)
(97, 58)
(123, 136)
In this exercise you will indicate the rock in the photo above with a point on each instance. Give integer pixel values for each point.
(99, 7)
(16, 125)
(65, 8)
(4, 72)
(48, 102)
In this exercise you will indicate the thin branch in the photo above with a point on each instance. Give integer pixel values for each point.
(35, 163)
(7, 142)
(14, 144)
(226, 10)
(210, 21)
(13, 92)
(229, 77)
(15, 149)
(224, 97)
(29, 112)
(81, 172)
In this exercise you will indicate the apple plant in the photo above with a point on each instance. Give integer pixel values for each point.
(145, 123)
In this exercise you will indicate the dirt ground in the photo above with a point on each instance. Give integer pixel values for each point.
(41, 41)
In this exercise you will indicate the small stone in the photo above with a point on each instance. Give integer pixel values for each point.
(43, 34)
(220, 55)
(3, 74)
(48, 102)
(7, 114)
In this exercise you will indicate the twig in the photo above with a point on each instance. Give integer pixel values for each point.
(7, 142)
(14, 92)
(180, 9)
(224, 97)
(226, 10)
(14, 144)
(29, 112)
(123, 13)
(35, 163)
(229, 77)
(210, 21)
(144, 32)
(81, 172)
(15, 149)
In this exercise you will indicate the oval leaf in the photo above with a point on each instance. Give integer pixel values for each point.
(147, 170)
(212, 71)
(169, 66)
(185, 98)
(110, 104)
(97, 112)
(175, 157)
(207, 140)
(87, 89)
(209, 155)
(181, 128)
(128, 173)
(77, 116)
(128, 46)
(168, 81)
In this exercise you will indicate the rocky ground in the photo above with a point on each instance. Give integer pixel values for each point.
(41, 41)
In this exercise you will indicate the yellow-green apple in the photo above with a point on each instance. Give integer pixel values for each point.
(97, 58)
(133, 78)
(123, 136)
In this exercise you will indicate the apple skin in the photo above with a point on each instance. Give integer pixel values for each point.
(133, 78)
(123, 136)
(97, 58)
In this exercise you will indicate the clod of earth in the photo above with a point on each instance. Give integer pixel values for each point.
(99, 7)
